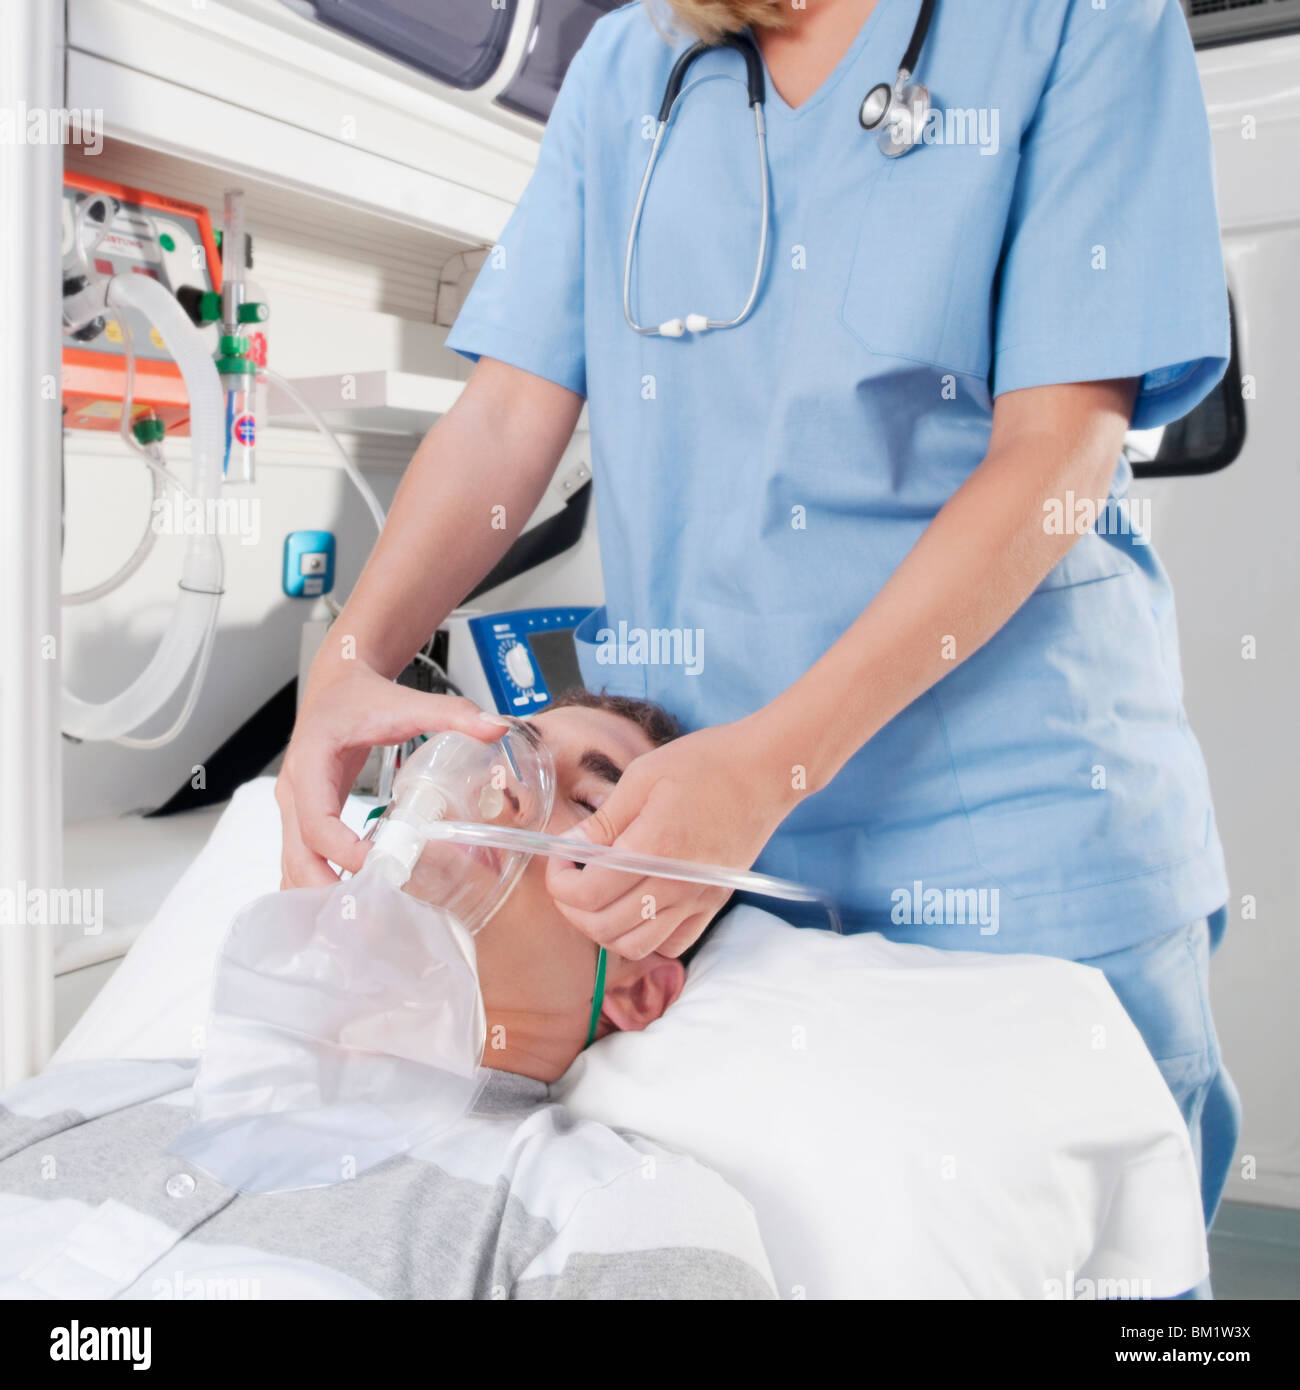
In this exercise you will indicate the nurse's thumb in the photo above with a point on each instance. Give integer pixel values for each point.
(612, 817)
(599, 828)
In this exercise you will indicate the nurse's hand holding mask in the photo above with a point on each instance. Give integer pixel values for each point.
(349, 708)
(715, 797)
(515, 426)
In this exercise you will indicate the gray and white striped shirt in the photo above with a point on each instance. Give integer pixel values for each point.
(518, 1200)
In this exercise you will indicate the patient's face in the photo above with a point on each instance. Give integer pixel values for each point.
(537, 971)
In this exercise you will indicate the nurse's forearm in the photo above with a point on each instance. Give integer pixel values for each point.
(471, 486)
(974, 565)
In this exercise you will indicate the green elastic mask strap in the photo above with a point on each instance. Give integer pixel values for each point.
(598, 999)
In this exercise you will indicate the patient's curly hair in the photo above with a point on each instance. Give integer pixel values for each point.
(711, 19)
(653, 720)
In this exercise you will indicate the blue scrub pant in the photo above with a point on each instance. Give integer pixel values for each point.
(1163, 984)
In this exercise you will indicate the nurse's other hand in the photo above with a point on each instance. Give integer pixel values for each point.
(715, 797)
(347, 710)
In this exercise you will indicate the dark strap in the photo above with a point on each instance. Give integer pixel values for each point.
(544, 542)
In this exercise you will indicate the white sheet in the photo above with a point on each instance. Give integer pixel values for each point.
(906, 1122)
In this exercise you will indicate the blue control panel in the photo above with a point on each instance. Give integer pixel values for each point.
(308, 564)
(527, 655)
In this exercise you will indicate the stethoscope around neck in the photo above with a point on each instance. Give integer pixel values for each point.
(898, 113)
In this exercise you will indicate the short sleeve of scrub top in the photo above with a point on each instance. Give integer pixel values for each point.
(1112, 263)
(528, 300)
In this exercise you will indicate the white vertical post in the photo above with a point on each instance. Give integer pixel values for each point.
(31, 822)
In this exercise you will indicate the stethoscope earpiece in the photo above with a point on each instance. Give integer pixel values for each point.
(745, 44)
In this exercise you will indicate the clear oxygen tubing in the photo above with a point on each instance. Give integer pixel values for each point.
(190, 629)
(150, 456)
(350, 468)
(137, 557)
(153, 459)
(191, 697)
(629, 861)
(81, 254)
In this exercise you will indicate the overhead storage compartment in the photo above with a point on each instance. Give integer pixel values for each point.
(252, 88)
(559, 31)
(464, 42)
(460, 42)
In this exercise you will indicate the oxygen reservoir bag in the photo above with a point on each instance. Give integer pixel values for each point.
(346, 1026)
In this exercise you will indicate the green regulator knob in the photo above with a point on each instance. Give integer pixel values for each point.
(149, 431)
(233, 359)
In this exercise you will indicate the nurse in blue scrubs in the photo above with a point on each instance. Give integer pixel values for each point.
(871, 543)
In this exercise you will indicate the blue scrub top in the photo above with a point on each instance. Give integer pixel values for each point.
(756, 486)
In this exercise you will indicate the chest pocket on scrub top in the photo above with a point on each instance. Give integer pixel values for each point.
(921, 282)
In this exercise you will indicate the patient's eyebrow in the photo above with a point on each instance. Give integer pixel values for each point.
(601, 765)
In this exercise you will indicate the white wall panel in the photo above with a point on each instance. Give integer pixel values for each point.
(1229, 543)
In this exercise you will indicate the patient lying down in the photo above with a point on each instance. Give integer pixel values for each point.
(517, 1200)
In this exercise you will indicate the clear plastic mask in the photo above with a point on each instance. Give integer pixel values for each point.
(466, 817)
(506, 785)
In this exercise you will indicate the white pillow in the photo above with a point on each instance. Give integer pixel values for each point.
(905, 1121)
(915, 1123)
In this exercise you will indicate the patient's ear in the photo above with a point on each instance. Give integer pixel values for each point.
(639, 991)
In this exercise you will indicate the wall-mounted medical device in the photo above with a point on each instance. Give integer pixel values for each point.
(147, 234)
(464, 45)
(143, 294)
(513, 662)
(130, 288)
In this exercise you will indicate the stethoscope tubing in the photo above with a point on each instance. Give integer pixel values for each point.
(765, 220)
(746, 45)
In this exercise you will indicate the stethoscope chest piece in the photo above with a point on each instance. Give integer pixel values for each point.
(897, 112)
(875, 106)
(903, 130)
